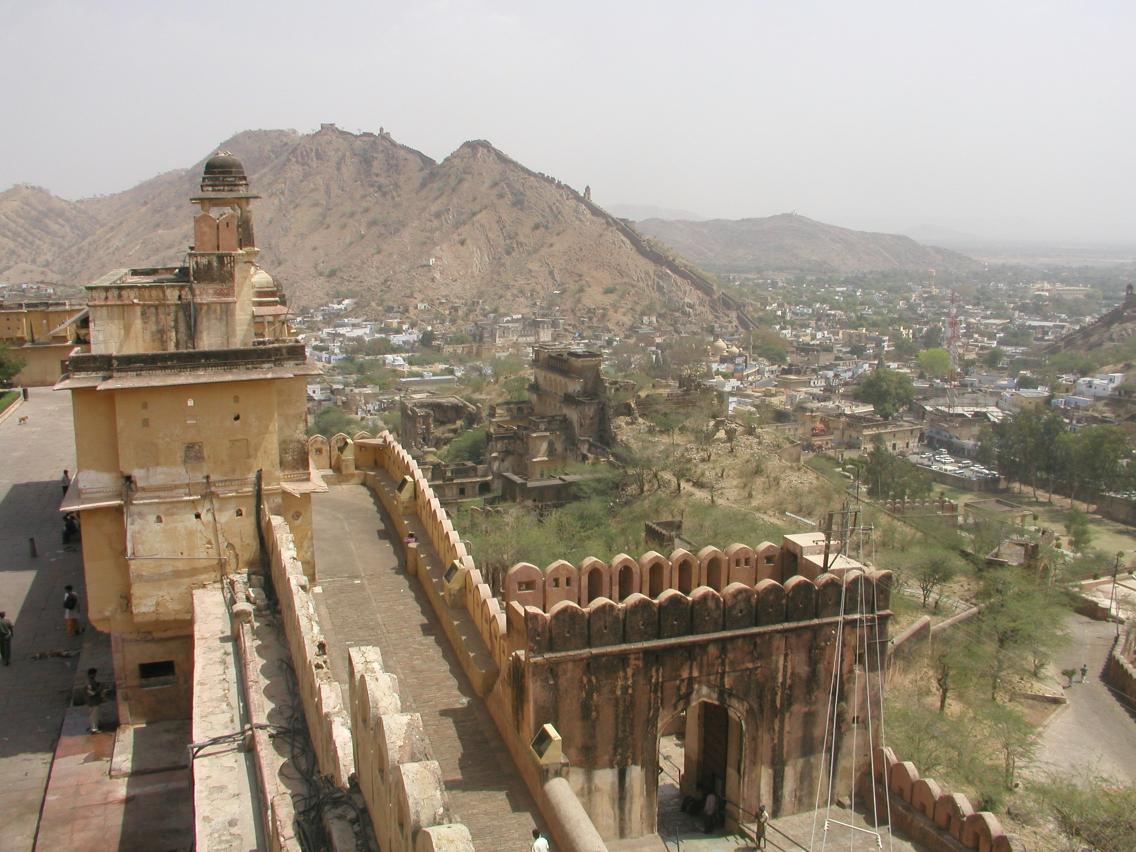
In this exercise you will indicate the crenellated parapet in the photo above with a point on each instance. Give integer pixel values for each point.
(670, 614)
(398, 777)
(930, 814)
(651, 575)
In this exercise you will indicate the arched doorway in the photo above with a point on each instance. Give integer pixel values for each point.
(701, 749)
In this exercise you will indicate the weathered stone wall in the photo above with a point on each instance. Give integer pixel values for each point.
(929, 814)
(1120, 668)
(400, 782)
(328, 724)
(610, 676)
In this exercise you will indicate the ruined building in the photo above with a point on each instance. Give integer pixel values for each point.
(189, 410)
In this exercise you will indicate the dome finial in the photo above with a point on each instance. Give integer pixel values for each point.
(224, 173)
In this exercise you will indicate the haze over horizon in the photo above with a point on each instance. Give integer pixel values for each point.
(1004, 121)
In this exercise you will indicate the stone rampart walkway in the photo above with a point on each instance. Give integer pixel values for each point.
(365, 598)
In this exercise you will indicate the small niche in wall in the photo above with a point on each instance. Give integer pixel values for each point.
(240, 513)
(236, 398)
(145, 405)
(189, 403)
(160, 673)
(157, 519)
(236, 417)
(197, 516)
(145, 422)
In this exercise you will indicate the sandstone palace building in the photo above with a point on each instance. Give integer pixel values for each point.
(189, 409)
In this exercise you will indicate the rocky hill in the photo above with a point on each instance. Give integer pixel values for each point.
(792, 243)
(360, 214)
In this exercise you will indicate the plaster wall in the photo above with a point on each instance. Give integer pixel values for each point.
(43, 365)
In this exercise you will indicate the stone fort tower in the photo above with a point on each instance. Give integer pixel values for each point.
(188, 410)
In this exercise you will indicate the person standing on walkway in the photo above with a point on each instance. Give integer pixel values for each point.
(710, 812)
(762, 821)
(93, 690)
(539, 844)
(7, 631)
(71, 611)
(65, 480)
(1084, 671)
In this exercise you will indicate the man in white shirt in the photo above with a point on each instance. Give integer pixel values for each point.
(539, 844)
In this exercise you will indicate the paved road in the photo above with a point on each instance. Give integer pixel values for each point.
(1093, 733)
(33, 694)
(366, 599)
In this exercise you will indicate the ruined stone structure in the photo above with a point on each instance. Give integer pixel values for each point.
(428, 422)
(568, 383)
(189, 411)
(567, 421)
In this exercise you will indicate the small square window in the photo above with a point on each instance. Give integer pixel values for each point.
(160, 673)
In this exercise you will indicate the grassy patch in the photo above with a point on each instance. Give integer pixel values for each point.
(7, 398)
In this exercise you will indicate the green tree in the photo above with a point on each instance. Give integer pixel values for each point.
(10, 365)
(1012, 735)
(889, 477)
(888, 391)
(1099, 812)
(331, 420)
(1078, 528)
(935, 363)
(1017, 620)
(469, 446)
(933, 567)
(993, 358)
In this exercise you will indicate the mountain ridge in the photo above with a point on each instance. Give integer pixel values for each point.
(790, 242)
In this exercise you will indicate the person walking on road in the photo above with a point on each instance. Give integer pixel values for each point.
(71, 611)
(93, 691)
(7, 631)
(65, 481)
(539, 844)
(1084, 671)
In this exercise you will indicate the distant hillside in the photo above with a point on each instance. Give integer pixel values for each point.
(792, 243)
(360, 214)
(1111, 328)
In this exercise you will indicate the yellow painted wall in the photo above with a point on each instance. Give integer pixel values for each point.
(43, 365)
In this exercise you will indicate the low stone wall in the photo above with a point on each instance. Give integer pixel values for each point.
(930, 815)
(400, 782)
(1120, 667)
(322, 698)
(914, 635)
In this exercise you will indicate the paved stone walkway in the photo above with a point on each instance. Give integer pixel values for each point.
(34, 694)
(1094, 734)
(366, 599)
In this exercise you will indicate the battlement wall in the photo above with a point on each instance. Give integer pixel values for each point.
(567, 626)
(371, 738)
(399, 780)
(928, 813)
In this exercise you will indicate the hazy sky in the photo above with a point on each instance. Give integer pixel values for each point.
(1005, 119)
